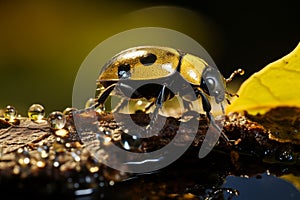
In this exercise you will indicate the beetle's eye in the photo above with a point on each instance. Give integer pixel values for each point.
(210, 84)
(149, 59)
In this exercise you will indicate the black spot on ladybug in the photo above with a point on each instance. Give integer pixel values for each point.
(124, 71)
(149, 59)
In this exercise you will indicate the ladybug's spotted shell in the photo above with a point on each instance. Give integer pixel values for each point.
(152, 62)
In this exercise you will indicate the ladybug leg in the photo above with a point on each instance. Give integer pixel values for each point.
(158, 105)
(161, 96)
(205, 102)
(103, 96)
(126, 90)
(149, 106)
(119, 106)
(207, 108)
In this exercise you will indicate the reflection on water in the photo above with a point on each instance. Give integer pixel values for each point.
(262, 186)
(213, 177)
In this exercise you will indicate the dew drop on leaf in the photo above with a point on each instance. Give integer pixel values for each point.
(56, 120)
(36, 112)
(10, 113)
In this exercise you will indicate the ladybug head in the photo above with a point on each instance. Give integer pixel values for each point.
(213, 84)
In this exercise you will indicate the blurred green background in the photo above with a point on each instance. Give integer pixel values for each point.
(43, 43)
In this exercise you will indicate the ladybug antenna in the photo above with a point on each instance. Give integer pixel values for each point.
(236, 72)
(231, 95)
(228, 102)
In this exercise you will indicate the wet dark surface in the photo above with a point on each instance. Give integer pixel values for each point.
(214, 177)
(252, 167)
(283, 123)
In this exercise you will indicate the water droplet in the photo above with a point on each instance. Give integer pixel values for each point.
(75, 156)
(44, 151)
(56, 163)
(73, 145)
(107, 132)
(130, 142)
(17, 169)
(93, 169)
(22, 157)
(10, 113)
(286, 155)
(111, 182)
(56, 120)
(126, 145)
(68, 145)
(83, 192)
(40, 164)
(36, 112)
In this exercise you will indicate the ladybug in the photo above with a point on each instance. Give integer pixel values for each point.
(156, 68)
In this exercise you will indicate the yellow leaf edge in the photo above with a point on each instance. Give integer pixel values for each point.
(237, 106)
(291, 178)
